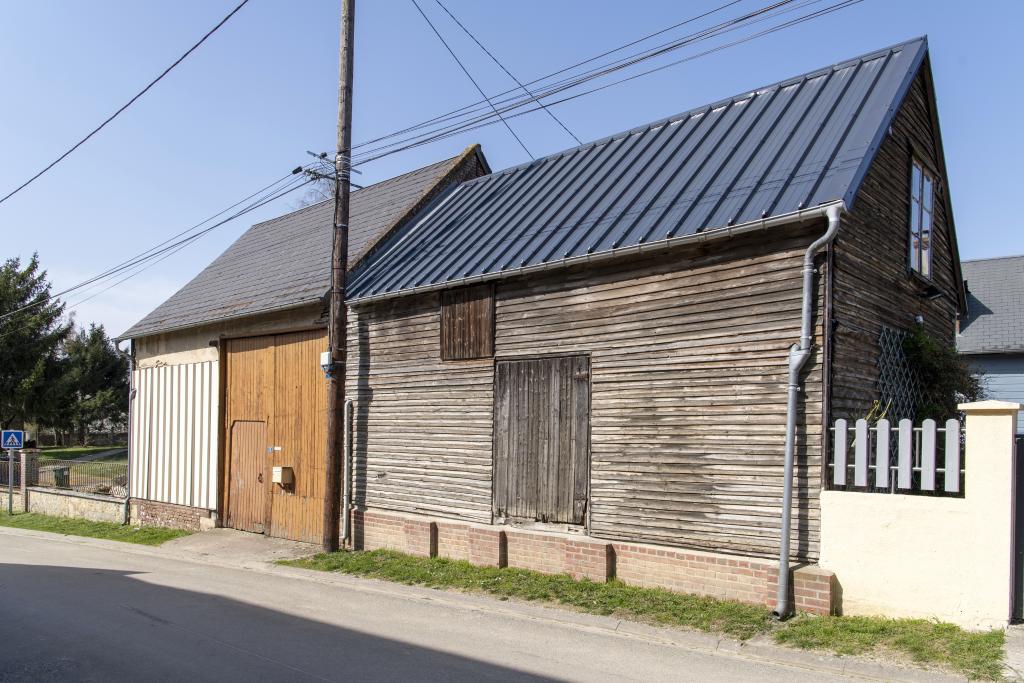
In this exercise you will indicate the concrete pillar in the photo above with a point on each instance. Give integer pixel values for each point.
(989, 482)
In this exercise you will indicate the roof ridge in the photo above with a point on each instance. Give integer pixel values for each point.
(308, 207)
(993, 258)
(725, 101)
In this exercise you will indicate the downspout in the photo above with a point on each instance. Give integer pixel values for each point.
(798, 356)
(346, 500)
(130, 355)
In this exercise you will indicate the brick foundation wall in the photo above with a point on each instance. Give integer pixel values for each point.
(751, 580)
(151, 513)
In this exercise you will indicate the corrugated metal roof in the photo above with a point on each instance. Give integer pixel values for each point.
(799, 143)
(995, 305)
(285, 262)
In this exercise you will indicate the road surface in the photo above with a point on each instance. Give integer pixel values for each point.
(87, 611)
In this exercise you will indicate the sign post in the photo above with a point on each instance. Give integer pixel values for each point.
(11, 440)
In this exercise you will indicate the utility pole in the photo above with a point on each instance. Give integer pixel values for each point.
(339, 265)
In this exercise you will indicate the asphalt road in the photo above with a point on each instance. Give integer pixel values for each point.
(81, 611)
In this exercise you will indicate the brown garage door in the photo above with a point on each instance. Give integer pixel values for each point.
(542, 439)
(276, 380)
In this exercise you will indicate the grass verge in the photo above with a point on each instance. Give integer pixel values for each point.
(977, 655)
(72, 452)
(613, 598)
(147, 535)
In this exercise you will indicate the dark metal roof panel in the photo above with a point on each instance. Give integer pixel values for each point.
(803, 142)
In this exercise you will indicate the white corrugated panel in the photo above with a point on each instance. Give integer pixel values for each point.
(174, 434)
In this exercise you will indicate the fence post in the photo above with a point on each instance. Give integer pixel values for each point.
(988, 489)
(24, 480)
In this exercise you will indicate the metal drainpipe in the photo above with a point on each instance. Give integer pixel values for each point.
(346, 501)
(798, 355)
(130, 354)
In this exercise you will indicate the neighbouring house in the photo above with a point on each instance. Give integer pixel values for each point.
(227, 378)
(598, 361)
(991, 334)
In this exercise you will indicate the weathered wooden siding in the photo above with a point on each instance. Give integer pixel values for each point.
(174, 434)
(872, 283)
(689, 361)
(422, 426)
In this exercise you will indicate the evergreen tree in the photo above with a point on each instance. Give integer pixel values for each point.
(28, 342)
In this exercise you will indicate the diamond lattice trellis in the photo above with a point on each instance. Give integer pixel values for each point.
(898, 381)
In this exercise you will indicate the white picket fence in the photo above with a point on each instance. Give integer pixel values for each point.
(917, 451)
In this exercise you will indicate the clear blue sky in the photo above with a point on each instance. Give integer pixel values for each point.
(243, 109)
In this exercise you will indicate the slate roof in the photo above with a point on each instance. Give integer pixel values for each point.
(764, 153)
(995, 306)
(285, 262)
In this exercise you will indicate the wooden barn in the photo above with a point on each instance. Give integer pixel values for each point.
(227, 381)
(583, 363)
(609, 361)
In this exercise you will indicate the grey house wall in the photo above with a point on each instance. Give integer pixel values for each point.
(1003, 378)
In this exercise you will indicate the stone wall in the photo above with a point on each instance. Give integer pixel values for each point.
(68, 504)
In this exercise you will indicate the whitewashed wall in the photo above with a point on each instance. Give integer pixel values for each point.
(174, 434)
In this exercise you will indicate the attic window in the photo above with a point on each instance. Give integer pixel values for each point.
(467, 323)
(922, 196)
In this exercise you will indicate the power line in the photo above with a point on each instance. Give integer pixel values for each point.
(470, 77)
(462, 111)
(618, 65)
(507, 72)
(130, 102)
(482, 120)
(169, 247)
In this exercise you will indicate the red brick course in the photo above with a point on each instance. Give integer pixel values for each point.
(151, 513)
(747, 579)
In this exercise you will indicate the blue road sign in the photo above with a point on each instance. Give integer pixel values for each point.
(11, 439)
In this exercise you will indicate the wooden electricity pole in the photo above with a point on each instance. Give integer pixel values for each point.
(339, 266)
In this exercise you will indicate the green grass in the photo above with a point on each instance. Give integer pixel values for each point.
(614, 598)
(146, 535)
(72, 452)
(978, 655)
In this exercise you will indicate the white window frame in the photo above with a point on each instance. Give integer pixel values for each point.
(922, 219)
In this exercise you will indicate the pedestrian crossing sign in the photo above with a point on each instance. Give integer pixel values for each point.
(11, 439)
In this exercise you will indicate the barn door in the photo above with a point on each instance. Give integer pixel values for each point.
(248, 479)
(542, 439)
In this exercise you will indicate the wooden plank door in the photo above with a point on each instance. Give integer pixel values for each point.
(542, 439)
(248, 402)
(300, 435)
(248, 476)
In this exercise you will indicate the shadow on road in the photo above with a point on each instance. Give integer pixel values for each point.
(59, 623)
